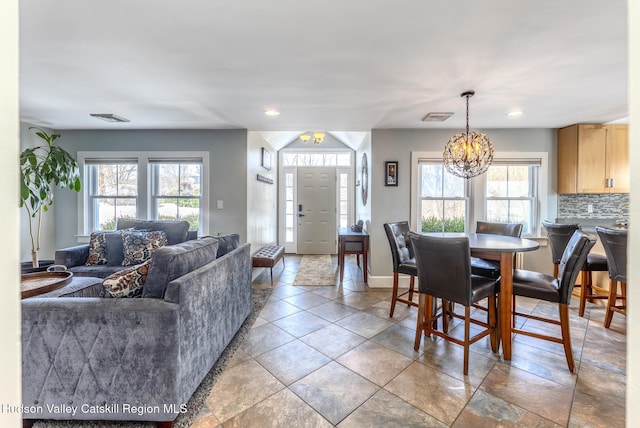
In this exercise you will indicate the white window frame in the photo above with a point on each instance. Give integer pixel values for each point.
(477, 206)
(90, 180)
(533, 192)
(145, 195)
(465, 194)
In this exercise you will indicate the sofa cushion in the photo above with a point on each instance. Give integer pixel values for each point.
(126, 282)
(139, 245)
(101, 271)
(176, 230)
(79, 287)
(227, 243)
(173, 261)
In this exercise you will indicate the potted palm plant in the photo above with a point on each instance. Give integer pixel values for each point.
(43, 168)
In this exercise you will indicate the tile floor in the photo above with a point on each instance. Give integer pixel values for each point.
(331, 356)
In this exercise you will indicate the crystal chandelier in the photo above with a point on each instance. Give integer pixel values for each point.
(469, 154)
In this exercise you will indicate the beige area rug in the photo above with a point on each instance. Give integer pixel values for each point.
(316, 270)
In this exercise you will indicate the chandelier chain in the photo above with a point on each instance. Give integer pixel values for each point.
(467, 96)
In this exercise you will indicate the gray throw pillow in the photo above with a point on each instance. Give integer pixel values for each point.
(176, 230)
(227, 243)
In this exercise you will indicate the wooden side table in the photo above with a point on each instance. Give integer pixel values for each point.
(350, 242)
(36, 283)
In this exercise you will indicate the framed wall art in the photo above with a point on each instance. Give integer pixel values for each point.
(266, 159)
(391, 173)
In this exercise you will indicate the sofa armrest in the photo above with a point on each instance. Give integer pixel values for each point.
(92, 351)
(214, 301)
(72, 256)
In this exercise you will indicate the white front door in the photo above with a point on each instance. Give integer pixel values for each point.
(316, 210)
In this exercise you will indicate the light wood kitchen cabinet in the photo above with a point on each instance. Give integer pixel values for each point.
(593, 159)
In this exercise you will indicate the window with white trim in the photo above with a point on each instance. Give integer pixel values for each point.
(154, 186)
(511, 193)
(289, 212)
(443, 199)
(513, 190)
(343, 198)
(176, 190)
(112, 186)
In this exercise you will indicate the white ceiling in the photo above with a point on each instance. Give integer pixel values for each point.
(337, 66)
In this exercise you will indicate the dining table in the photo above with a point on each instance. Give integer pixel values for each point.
(503, 249)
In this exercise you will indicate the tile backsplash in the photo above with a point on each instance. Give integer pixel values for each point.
(604, 205)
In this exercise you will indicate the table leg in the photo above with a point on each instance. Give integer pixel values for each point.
(365, 245)
(506, 293)
(341, 258)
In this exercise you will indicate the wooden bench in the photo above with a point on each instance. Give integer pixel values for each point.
(268, 257)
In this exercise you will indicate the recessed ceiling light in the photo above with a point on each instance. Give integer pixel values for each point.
(515, 113)
(272, 112)
(108, 117)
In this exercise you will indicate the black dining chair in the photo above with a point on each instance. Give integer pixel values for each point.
(614, 242)
(403, 262)
(491, 268)
(557, 289)
(559, 235)
(444, 271)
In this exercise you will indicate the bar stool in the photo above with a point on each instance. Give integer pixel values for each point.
(403, 261)
(614, 242)
(491, 268)
(559, 235)
(555, 289)
(444, 269)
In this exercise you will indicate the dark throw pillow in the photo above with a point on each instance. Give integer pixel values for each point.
(97, 249)
(139, 245)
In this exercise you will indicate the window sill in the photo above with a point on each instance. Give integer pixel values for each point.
(541, 240)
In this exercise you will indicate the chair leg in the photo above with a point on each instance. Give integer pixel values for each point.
(467, 322)
(394, 294)
(583, 292)
(513, 310)
(611, 302)
(419, 322)
(492, 324)
(411, 287)
(425, 319)
(566, 336)
(446, 307)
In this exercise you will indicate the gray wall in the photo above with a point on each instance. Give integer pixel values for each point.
(262, 198)
(390, 204)
(228, 171)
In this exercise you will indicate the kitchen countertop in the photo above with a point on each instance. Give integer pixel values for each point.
(589, 224)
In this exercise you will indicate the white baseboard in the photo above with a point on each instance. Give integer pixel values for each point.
(387, 281)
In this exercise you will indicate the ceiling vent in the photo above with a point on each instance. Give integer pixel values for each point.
(437, 116)
(108, 117)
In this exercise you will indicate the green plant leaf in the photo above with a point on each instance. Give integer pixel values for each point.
(41, 169)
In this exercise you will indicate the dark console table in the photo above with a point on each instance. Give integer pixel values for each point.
(350, 242)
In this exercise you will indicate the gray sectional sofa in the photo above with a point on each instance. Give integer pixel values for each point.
(75, 258)
(92, 358)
